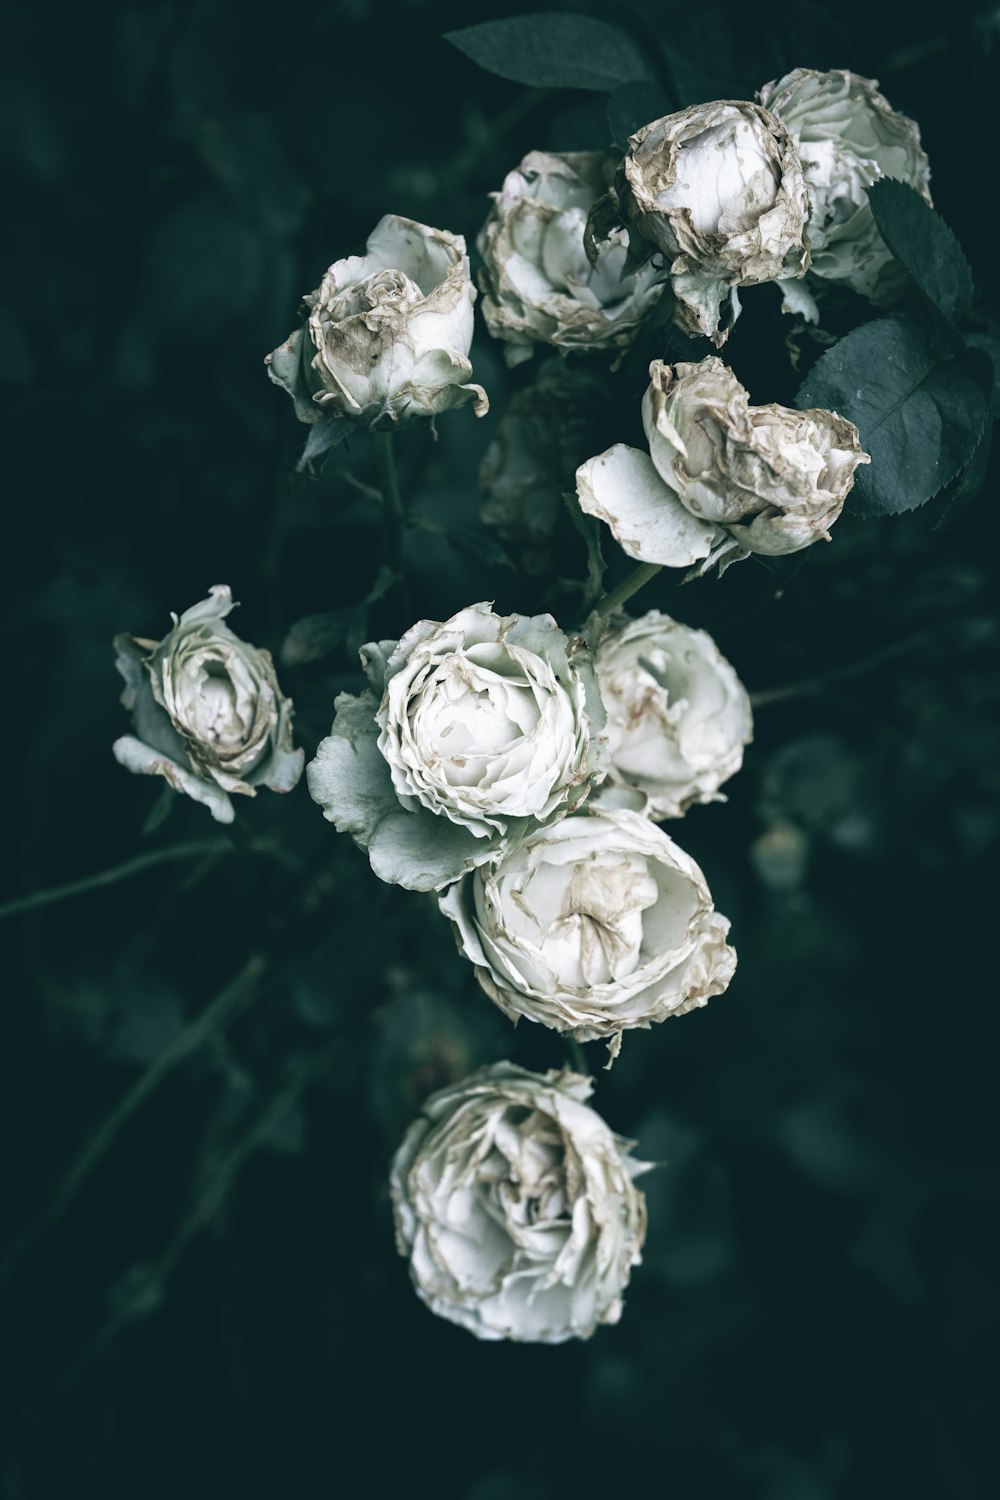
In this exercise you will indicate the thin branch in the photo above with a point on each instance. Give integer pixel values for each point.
(51, 1209)
(768, 696)
(391, 498)
(112, 877)
(628, 586)
(577, 1056)
(141, 1291)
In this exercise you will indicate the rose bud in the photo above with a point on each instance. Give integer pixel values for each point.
(847, 137)
(538, 285)
(718, 191)
(207, 712)
(387, 334)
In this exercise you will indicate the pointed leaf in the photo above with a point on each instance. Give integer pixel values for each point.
(553, 50)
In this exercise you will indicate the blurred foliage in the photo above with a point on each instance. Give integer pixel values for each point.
(207, 1065)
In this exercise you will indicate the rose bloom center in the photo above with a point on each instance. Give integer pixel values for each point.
(713, 169)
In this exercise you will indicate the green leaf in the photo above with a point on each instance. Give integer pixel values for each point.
(924, 245)
(479, 547)
(323, 435)
(316, 636)
(633, 105)
(965, 489)
(553, 50)
(474, 544)
(919, 418)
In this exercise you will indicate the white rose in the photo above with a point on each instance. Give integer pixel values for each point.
(718, 190)
(388, 333)
(517, 1207)
(594, 926)
(848, 137)
(538, 285)
(723, 478)
(678, 715)
(479, 728)
(207, 711)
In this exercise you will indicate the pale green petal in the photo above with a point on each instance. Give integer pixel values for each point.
(135, 756)
(351, 782)
(349, 778)
(423, 852)
(150, 722)
(622, 488)
(281, 771)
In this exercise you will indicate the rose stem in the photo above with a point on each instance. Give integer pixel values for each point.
(840, 674)
(147, 1288)
(577, 1057)
(391, 499)
(111, 877)
(628, 586)
(184, 1044)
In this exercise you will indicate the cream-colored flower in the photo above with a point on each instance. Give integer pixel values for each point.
(847, 136)
(678, 715)
(595, 925)
(516, 1207)
(388, 333)
(479, 727)
(538, 285)
(718, 190)
(722, 478)
(207, 711)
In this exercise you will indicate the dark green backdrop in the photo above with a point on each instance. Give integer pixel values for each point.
(208, 1301)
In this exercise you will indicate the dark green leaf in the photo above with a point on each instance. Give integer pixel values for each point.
(919, 418)
(324, 435)
(316, 636)
(924, 245)
(966, 487)
(633, 105)
(988, 339)
(694, 85)
(474, 544)
(553, 50)
(479, 547)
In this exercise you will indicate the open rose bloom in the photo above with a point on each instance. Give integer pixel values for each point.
(517, 1208)
(594, 926)
(722, 478)
(538, 285)
(388, 333)
(207, 712)
(477, 728)
(718, 191)
(848, 136)
(678, 715)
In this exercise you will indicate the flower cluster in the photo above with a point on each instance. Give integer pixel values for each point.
(517, 769)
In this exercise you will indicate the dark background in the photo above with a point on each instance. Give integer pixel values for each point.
(201, 1294)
